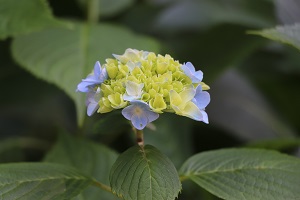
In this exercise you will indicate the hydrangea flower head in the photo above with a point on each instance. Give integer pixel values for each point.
(145, 85)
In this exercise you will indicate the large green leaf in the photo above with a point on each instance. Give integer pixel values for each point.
(199, 14)
(17, 17)
(92, 159)
(64, 57)
(245, 174)
(288, 34)
(144, 173)
(36, 181)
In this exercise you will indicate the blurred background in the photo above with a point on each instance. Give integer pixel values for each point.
(254, 81)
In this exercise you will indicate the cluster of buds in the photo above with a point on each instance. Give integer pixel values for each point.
(145, 85)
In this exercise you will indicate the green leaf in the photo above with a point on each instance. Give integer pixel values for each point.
(93, 159)
(36, 181)
(288, 34)
(19, 17)
(276, 144)
(144, 173)
(245, 174)
(64, 57)
(195, 14)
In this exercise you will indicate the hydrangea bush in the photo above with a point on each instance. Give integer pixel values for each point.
(145, 85)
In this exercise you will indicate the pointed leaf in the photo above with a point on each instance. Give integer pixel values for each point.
(90, 158)
(288, 34)
(144, 173)
(245, 174)
(17, 17)
(36, 181)
(64, 57)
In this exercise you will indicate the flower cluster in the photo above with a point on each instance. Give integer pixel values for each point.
(144, 85)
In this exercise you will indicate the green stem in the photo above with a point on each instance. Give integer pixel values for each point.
(93, 11)
(102, 186)
(140, 137)
(183, 178)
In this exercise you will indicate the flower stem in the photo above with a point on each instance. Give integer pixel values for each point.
(183, 178)
(93, 11)
(140, 137)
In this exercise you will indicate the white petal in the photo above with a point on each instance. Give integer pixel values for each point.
(187, 95)
(127, 97)
(193, 112)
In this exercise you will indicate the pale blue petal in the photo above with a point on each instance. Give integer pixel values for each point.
(139, 121)
(152, 116)
(92, 80)
(186, 70)
(189, 70)
(141, 118)
(97, 69)
(190, 66)
(103, 76)
(202, 99)
(91, 109)
(92, 101)
(205, 116)
(128, 112)
(199, 89)
(198, 75)
(83, 86)
(141, 104)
